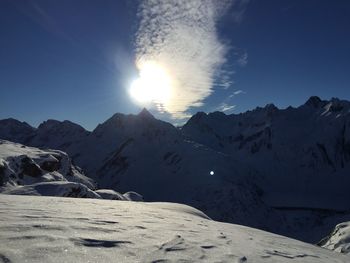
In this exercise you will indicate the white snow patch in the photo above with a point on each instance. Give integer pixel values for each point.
(51, 229)
(339, 239)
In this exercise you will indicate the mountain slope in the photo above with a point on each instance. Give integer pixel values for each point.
(58, 135)
(302, 154)
(50, 134)
(16, 131)
(151, 157)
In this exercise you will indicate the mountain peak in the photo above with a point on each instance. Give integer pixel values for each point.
(145, 114)
(314, 101)
(270, 107)
(55, 124)
(14, 122)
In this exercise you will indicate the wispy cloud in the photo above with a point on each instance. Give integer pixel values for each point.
(243, 60)
(239, 10)
(182, 36)
(225, 107)
(238, 92)
(235, 93)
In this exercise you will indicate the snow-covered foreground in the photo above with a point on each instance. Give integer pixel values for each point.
(53, 229)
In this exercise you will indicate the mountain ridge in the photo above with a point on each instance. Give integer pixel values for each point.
(309, 102)
(263, 160)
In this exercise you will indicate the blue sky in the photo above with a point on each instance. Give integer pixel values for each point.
(76, 59)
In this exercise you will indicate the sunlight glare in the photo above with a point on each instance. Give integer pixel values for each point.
(153, 84)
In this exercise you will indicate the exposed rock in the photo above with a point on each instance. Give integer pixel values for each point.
(29, 167)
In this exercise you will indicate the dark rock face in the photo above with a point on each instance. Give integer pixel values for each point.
(30, 168)
(314, 101)
(145, 114)
(50, 166)
(2, 175)
(117, 161)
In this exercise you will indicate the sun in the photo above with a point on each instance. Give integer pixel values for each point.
(153, 85)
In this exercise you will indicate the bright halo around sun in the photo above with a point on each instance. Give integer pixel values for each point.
(154, 84)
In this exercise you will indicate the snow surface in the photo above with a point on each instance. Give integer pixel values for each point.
(133, 196)
(59, 188)
(110, 194)
(51, 229)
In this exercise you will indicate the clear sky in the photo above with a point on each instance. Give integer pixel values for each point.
(76, 59)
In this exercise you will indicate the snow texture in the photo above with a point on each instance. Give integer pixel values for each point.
(52, 229)
(59, 188)
(110, 194)
(22, 165)
(31, 171)
(339, 239)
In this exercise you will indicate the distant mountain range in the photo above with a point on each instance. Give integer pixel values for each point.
(284, 170)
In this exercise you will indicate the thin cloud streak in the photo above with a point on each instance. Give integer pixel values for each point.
(224, 107)
(182, 36)
(235, 93)
(238, 92)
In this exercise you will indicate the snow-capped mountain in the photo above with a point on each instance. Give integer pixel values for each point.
(151, 157)
(58, 134)
(302, 154)
(50, 134)
(236, 168)
(16, 131)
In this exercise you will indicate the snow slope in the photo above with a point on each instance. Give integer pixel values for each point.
(302, 154)
(22, 165)
(339, 239)
(51, 229)
(151, 157)
(30, 171)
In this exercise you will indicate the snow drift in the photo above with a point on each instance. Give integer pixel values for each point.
(51, 229)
